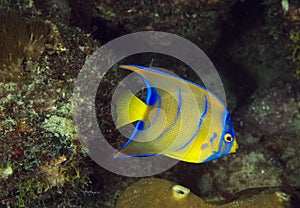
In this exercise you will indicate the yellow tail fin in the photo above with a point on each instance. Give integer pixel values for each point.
(129, 109)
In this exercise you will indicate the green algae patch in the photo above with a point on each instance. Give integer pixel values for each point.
(6, 172)
(60, 127)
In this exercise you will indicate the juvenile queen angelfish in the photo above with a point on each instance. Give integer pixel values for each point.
(179, 119)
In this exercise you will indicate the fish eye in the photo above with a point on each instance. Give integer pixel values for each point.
(228, 138)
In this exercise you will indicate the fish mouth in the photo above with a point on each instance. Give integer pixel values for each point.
(234, 147)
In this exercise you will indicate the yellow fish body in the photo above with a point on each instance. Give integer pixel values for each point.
(180, 119)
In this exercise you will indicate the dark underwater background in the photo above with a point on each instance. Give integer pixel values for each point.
(254, 45)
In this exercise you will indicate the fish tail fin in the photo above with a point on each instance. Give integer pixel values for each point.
(129, 109)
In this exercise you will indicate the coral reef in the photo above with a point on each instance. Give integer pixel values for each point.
(293, 16)
(43, 44)
(154, 192)
(275, 105)
(57, 11)
(196, 20)
(40, 155)
(247, 170)
(282, 147)
(295, 47)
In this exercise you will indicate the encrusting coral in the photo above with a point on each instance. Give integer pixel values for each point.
(54, 172)
(160, 193)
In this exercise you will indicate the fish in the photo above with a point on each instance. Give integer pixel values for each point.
(179, 119)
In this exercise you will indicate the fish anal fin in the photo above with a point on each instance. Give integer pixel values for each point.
(120, 155)
(136, 149)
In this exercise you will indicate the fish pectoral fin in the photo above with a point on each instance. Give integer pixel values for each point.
(129, 109)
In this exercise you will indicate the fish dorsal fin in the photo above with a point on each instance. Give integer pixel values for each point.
(129, 109)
